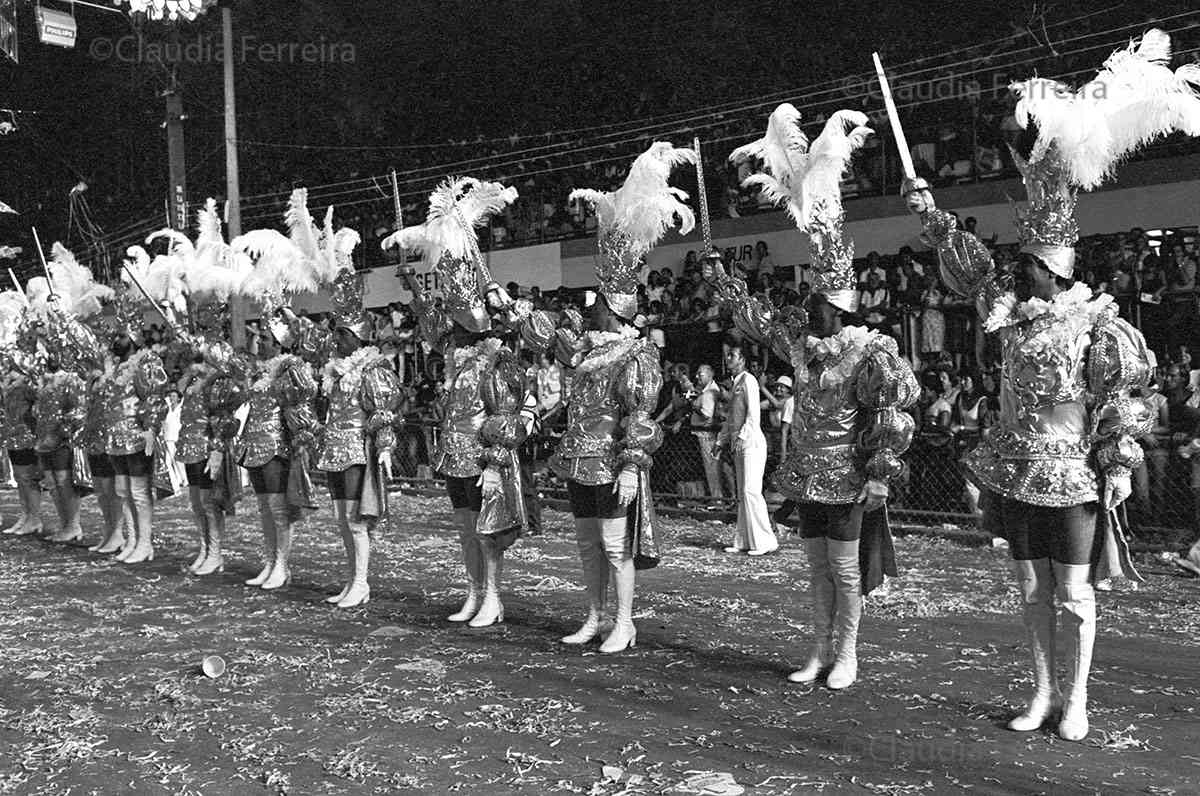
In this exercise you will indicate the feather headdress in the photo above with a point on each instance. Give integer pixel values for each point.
(449, 242)
(79, 300)
(1084, 134)
(807, 179)
(634, 218)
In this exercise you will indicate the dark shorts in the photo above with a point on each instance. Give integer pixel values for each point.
(348, 484)
(197, 475)
(100, 465)
(596, 502)
(137, 465)
(841, 522)
(57, 460)
(1067, 535)
(271, 478)
(26, 457)
(464, 493)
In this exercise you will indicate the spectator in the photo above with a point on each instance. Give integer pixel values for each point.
(705, 425)
(933, 322)
(743, 437)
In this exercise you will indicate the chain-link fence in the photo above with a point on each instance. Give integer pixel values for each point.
(932, 492)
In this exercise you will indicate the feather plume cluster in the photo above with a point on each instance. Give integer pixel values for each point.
(79, 294)
(804, 177)
(457, 207)
(1134, 99)
(214, 272)
(645, 206)
(279, 264)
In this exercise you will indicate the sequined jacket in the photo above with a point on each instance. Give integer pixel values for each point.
(281, 418)
(851, 391)
(101, 388)
(138, 402)
(18, 393)
(1067, 416)
(363, 394)
(614, 389)
(460, 445)
(60, 409)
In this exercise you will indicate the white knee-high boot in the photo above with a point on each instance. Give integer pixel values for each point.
(29, 488)
(124, 492)
(339, 513)
(491, 610)
(1077, 599)
(473, 563)
(614, 533)
(143, 519)
(847, 581)
(359, 592)
(595, 578)
(66, 501)
(214, 532)
(281, 573)
(267, 520)
(114, 517)
(196, 496)
(1035, 580)
(821, 593)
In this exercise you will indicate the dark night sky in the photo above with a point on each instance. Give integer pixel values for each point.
(435, 71)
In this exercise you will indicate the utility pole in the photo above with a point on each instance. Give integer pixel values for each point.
(233, 220)
(177, 196)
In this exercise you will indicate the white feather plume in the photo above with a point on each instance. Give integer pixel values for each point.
(456, 208)
(799, 174)
(78, 292)
(645, 206)
(301, 228)
(279, 265)
(1134, 99)
(214, 273)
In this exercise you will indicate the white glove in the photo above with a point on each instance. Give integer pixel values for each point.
(149, 442)
(626, 487)
(489, 480)
(873, 495)
(215, 460)
(385, 461)
(1116, 489)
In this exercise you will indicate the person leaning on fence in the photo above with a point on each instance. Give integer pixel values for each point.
(1061, 456)
(852, 387)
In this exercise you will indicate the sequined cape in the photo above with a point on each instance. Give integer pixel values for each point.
(1067, 414)
(851, 392)
(503, 391)
(18, 394)
(137, 403)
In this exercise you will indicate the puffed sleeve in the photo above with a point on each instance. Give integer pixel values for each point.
(296, 389)
(965, 264)
(225, 395)
(150, 384)
(637, 385)
(503, 392)
(1118, 362)
(380, 400)
(885, 386)
(754, 317)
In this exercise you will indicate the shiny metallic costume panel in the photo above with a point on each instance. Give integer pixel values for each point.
(137, 403)
(1064, 371)
(19, 394)
(502, 390)
(459, 446)
(613, 393)
(280, 415)
(851, 391)
(60, 410)
(363, 393)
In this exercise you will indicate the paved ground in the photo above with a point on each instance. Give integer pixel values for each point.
(100, 689)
